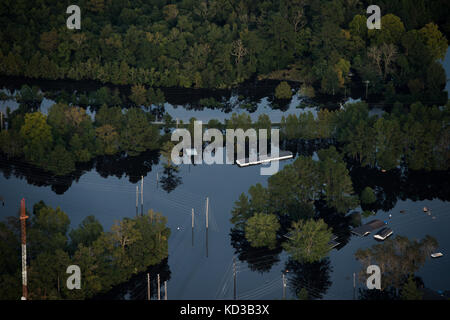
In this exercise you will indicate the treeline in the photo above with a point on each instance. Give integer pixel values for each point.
(221, 43)
(69, 135)
(416, 137)
(105, 258)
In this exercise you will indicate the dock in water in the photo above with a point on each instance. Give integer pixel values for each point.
(283, 155)
(366, 229)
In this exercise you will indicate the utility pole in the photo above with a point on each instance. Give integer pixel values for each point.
(284, 286)
(137, 196)
(165, 290)
(157, 179)
(1, 119)
(23, 217)
(192, 226)
(148, 286)
(367, 87)
(159, 289)
(234, 278)
(142, 195)
(207, 205)
(354, 286)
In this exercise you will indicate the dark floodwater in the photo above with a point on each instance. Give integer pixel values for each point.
(108, 192)
(195, 276)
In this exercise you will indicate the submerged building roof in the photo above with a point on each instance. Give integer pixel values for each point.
(282, 155)
(367, 228)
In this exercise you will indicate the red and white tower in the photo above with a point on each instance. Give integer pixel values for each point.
(23, 218)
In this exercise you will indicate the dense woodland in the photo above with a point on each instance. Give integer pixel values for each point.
(321, 45)
(106, 258)
(324, 44)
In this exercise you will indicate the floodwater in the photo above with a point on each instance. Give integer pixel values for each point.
(203, 269)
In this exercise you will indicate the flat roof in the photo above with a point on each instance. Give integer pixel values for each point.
(282, 155)
(368, 227)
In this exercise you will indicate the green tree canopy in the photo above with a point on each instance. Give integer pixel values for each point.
(308, 240)
(283, 91)
(261, 230)
(37, 138)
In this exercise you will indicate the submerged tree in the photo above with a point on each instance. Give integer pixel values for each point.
(261, 230)
(308, 241)
(397, 258)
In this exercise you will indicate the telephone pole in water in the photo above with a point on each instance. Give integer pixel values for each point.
(192, 226)
(207, 205)
(23, 217)
(142, 195)
(165, 290)
(137, 199)
(159, 289)
(148, 286)
(234, 278)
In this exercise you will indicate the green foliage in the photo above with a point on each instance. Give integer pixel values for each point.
(410, 290)
(9, 261)
(391, 31)
(166, 152)
(303, 294)
(60, 161)
(138, 135)
(397, 257)
(218, 45)
(48, 231)
(435, 40)
(308, 240)
(241, 212)
(105, 258)
(338, 188)
(37, 138)
(69, 136)
(307, 91)
(87, 232)
(138, 95)
(368, 196)
(283, 91)
(261, 230)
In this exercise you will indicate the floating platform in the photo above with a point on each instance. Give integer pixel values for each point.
(367, 228)
(437, 255)
(283, 155)
(383, 234)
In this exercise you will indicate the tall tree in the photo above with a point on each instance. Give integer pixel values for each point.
(308, 240)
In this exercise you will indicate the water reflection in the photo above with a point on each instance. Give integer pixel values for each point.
(314, 277)
(400, 183)
(136, 287)
(170, 180)
(116, 165)
(258, 259)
